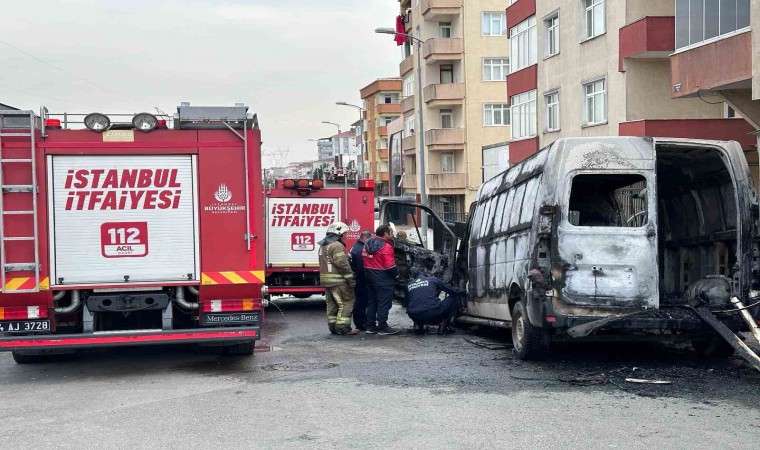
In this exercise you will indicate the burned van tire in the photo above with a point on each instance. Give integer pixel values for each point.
(22, 358)
(714, 347)
(244, 349)
(530, 343)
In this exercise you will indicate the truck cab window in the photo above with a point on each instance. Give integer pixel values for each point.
(607, 200)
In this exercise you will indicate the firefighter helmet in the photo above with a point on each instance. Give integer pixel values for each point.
(338, 228)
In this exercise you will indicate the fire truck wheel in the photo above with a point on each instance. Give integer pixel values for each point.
(244, 349)
(530, 343)
(714, 347)
(301, 295)
(25, 358)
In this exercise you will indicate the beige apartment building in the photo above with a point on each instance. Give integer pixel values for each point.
(381, 100)
(600, 68)
(464, 62)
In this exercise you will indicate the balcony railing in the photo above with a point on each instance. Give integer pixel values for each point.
(406, 66)
(431, 9)
(409, 143)
(407, 104)
(442, 49)
(455, 180)
(382, 131)
(409, 181)
(445, 138)
(389, 108)
(444, 94)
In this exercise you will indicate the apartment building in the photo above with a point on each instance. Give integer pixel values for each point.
(603, 67)
(325, 149)
(717, 57)
(464, 60)
(381, 100)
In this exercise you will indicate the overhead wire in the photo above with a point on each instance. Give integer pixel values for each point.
(35, 94)
(67, 72)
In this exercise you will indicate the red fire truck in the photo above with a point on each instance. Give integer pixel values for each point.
(298, 213)
(127, 232)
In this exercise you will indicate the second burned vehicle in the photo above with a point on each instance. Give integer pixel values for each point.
(598, 236)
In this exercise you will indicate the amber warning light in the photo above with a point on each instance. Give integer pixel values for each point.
(303, 186)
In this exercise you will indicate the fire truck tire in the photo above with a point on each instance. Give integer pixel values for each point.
(25, 358)
(530, 343)
(714, 347)
(244, 349)
(301, 295)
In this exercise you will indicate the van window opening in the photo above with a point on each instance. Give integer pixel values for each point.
(608, 200)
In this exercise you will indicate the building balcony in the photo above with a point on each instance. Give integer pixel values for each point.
(720, 65)
(713, 129)
(382, 154)
(407, 104)
(406, 66)
(519, 11)
(446, 181)
(409, 143)
(389, 108)
(442, 49)
(445, 139)
(409, 181)
(519, 150)
(524, 80)
(433, 9)
(648, 37)
(383, 176)
(382, 131)
(444, 94)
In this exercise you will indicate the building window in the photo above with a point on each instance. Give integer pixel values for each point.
(444, 29)
(408, 126)
(447, 73)
(408, 86)
(551, 99)
(551, 25)
(447, 162)
(522, 44)
(447, 118)
(701, 20)
(593, 18)
(495, 69)
(494, 24)
(523, 108)
(495, 114)
(386, 120)
(595, 104)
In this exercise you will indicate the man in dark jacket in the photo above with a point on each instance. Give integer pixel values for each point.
(360, 290)
(424, 305)
(380, 273)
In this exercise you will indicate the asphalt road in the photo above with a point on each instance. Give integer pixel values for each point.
(317, 391)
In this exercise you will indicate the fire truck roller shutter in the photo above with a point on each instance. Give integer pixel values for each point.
(123, 218)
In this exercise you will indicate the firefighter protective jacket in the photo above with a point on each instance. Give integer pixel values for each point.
(334, 267)
(379, 263)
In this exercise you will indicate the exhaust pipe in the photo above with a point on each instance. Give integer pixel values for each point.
(75, 302)
(469, 320)
(180, 299)
(193, 290)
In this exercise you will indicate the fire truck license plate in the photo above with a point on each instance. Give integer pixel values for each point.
(124, 239)
(302, 242)
(252, 318)
(24, 326)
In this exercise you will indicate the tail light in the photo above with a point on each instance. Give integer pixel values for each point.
(366, 184)
(246, 304)
(23, 312)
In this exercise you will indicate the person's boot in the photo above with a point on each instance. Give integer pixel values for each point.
(419, 328)
(444, 328)
(331, 326)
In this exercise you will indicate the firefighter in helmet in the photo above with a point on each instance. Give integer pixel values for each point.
(336, 277)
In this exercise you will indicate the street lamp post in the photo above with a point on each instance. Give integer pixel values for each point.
(361, 128)
(420, 126)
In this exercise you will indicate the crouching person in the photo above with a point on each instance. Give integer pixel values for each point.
(424, 305)
(336, 277)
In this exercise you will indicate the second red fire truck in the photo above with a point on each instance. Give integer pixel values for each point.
(298, 213)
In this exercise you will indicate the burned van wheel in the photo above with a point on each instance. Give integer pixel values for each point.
(25, 358)
(244, 349)
(714, 347)
(530, 343)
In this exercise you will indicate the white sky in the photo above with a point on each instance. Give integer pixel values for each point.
(289, 60)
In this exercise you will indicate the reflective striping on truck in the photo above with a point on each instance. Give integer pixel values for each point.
(232, 277)
(25, 283)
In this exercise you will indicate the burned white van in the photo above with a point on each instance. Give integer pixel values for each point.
(597, 236)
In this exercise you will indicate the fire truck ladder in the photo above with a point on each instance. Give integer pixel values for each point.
(18, 124)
